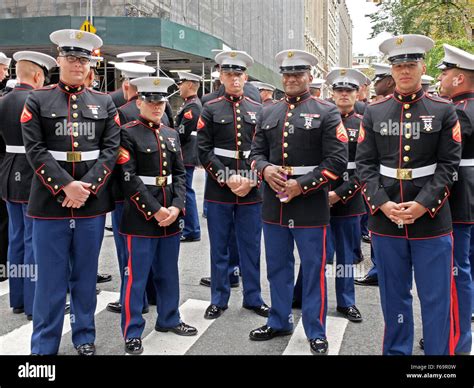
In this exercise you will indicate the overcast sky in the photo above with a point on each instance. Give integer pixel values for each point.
(362, 28)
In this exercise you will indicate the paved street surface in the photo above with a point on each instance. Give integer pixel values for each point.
(227, 335)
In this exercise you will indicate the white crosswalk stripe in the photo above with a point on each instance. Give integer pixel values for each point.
(17, 342)
(4, 288)
(171, 344)
(299, 345)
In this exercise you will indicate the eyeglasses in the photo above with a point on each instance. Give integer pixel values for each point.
(73, 59)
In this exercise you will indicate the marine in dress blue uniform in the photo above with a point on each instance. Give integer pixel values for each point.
(32, 69)
(71, 136)
(119, 96)
(316, 87)
(344, 235)
(186, 125)
(225, 131)
(408, 155)
(266, 92)
(92, 82)
(4, 65)
(127, 113)
(130, 71)
(364, 93)
(457, 82)
(153, 180)
(299, 148)
(384, 86)
(250, 91)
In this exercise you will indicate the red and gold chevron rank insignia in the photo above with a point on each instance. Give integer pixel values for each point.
(123, 156)
(25, 115)
(201, 123)
(341, 134)
(188, 115)
(117, 119)
(457, 137)
(361, 135)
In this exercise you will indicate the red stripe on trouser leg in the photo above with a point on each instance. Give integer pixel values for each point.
(455, 314)
(129, 287)
(454, 329)
(322, 279)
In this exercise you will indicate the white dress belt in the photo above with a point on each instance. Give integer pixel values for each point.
(16, 149)
(464, 162)
(298, 170)
(157, 180)
(407, 173)
(231, 154)
(351, 166)
(75, 156)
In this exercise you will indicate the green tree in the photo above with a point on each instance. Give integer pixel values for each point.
(438, 19)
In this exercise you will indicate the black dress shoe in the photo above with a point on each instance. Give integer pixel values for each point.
(29, 317)
(367, 281)
(86, 350)
(296, 304)
(319, 346)
(213, 311)
(109, 229)
(181, 329)
(19, 310)
(114, 307)
(134, 346)
(366, 238)
(67, 309)
(422, 344)
(266, 333)
(352, 313)
(262, 310)
(189, 239)
(103, 278)
(206, 282)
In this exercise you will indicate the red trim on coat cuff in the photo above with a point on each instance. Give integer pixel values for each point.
(132, 198)
(104, 179)
(433, 214)
(45, 183)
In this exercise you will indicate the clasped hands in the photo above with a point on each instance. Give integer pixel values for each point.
(240, 185)
(405, 213)
(289, 189)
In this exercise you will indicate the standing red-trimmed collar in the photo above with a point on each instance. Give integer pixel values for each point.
(298, 99)
(70, 88)
(148, 123)
(408, 97)
(463, 96)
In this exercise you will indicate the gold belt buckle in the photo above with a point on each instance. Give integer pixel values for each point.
(289, 170)
(161, 180)
(74, 156)
(404, 174)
